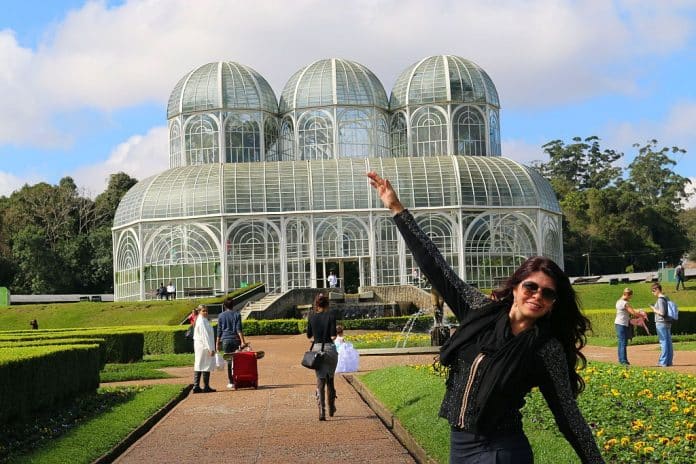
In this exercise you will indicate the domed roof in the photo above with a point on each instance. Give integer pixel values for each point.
(472, 182)
(333, 81)
(220, 86)
(443, 79)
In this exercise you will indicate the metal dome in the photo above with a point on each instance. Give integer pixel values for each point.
(443, 79)
(289, 186)
(333, 81)
(219, 86)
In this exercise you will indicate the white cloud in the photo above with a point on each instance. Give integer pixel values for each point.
(140, 156)
(10, 182)
(538, 53)
(523, 151)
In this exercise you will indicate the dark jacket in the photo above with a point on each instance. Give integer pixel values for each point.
(543, 362)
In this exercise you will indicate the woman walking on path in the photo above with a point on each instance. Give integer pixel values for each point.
(663, 326)
(530, 335)
(622, 323)
(204, 352)
(322, 328)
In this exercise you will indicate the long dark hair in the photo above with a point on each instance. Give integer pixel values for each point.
(321, 303)
(566, 321)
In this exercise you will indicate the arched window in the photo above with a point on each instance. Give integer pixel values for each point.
(382, 146)
(316, 136)
(429, 132)
(201, 140)
(469, 132)
(175, 145)
(253, 254)
(242, 139)
(286, 143)
(494, 134)
(354, 128)
(270, 138)
(399, 140)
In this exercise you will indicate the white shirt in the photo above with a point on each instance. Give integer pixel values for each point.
(622, 315)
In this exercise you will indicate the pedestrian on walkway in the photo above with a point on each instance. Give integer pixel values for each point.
(679, 275)
(622, 323)
(204, 352)
(531, 335)
(230, 336)
(663, 326)
(321, 327)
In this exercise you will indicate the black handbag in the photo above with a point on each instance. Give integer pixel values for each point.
(311, 359)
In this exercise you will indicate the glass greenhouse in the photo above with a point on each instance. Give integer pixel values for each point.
(277, 193)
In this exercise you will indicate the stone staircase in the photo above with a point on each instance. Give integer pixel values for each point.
(260, 304)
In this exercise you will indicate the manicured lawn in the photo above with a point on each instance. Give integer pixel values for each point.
(604, 296)
(638, 415)
(85, 429)
(148, 368)
(682, 341)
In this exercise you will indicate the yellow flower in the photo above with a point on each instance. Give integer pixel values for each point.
(625, 441)
(648, 450)
(600, 432)
(637, 446)
(663, 440)
(615, 392)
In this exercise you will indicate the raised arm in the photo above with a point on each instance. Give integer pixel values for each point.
(558, 394)
(459, 295)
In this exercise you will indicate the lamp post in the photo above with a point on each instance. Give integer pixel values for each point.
(587, 263)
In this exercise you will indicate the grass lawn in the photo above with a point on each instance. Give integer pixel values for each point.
(604, 296)
(148, 368)
(681, 341)
(87, 428)
(638, 415)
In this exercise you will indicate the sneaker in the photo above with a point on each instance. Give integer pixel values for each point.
(230, 386)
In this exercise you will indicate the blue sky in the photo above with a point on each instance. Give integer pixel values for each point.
(84, 85)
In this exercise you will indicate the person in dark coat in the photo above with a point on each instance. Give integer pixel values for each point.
(321, 327)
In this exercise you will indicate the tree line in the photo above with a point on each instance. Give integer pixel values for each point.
(619, 219)
(55, 239)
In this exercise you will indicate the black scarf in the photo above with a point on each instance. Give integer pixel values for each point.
(503, 367)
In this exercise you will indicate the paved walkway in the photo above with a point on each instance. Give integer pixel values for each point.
(278, 422)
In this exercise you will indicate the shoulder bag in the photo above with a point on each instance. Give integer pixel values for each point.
(311, 359)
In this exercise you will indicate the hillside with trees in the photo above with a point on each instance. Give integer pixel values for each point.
(55, 239)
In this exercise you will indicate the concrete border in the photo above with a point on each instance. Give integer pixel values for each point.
(391, 422)
(145, 427)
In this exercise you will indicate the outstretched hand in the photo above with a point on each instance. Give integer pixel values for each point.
(386, 192)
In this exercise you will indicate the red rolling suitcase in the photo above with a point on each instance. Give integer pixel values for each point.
(245, 372)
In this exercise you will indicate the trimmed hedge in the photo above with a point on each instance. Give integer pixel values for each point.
(36, 378)
(603, 322)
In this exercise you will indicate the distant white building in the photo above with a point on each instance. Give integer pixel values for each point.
(264, 192)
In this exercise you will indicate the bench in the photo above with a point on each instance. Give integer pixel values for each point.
(96, 298)
(198, 291)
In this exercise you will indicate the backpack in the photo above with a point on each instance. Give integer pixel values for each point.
(672, 310)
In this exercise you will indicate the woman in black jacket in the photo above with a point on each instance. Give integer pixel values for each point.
(322, 327)
(530, 335)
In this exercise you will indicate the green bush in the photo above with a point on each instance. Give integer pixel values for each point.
(36, 378)
(603, 322)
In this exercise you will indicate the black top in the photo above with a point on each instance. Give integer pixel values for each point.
(322, 326)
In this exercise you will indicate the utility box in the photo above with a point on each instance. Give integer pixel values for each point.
(666, 275)
(4, 296)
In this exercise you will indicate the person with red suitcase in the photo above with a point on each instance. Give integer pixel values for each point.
(230, 336)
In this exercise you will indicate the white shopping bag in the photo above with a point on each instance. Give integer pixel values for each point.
(219, 361)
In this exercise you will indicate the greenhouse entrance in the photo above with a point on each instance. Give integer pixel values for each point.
(351, 273)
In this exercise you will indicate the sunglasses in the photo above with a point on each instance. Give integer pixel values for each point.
(530, 288)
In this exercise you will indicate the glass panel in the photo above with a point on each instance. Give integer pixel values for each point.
(469, 131)
(201, 140)
(429, 129)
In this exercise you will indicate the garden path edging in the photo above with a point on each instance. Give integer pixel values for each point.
(145, 427)
(391, 422)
